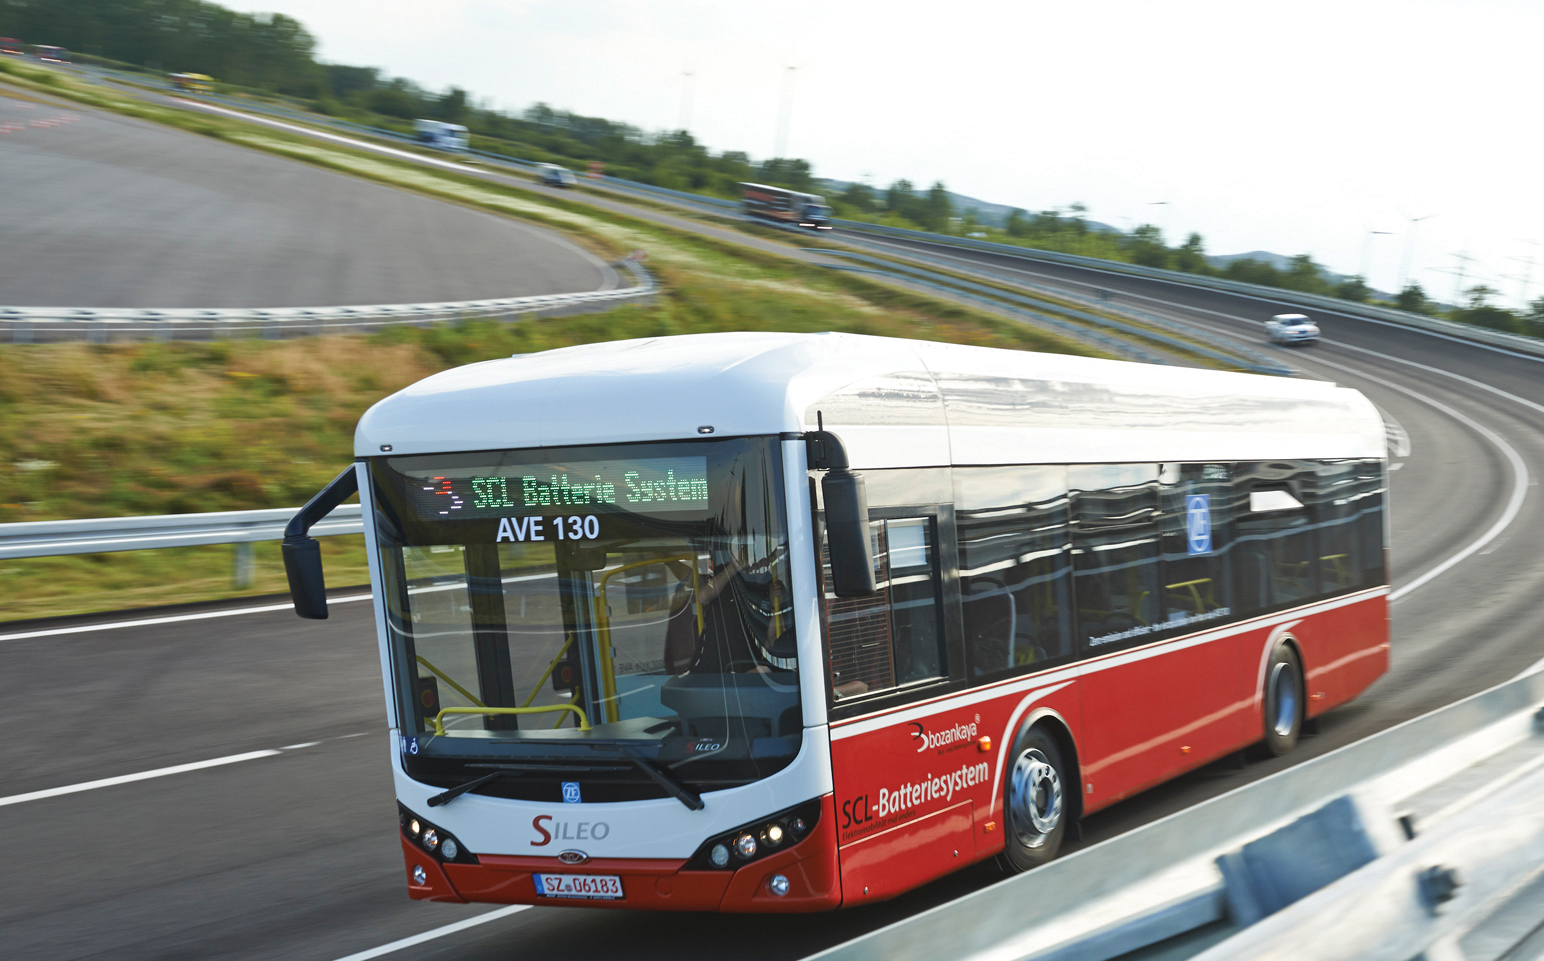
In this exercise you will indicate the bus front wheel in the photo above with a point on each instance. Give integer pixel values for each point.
(1035, 802)
(1284, 705)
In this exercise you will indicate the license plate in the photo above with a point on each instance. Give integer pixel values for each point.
(578, 886)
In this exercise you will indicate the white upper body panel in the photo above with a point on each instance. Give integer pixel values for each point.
(895, 403)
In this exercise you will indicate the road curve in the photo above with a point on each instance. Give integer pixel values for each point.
(291, 853)
(102, 210)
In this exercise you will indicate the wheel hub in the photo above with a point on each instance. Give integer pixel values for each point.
(1034, 798)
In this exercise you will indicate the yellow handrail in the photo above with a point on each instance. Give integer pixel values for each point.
(448, 680)
(439, 719)
(550, 668)
(603, 624)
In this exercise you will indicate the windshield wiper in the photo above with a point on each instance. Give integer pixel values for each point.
(661, 776)
(461, 789)
(656, 773)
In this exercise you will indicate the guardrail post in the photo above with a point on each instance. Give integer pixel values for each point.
(245, 573)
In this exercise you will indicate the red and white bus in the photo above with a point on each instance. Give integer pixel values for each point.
(777, 622)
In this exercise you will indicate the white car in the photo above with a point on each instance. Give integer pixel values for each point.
(1292, 329)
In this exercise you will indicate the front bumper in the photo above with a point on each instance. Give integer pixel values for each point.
(647, 883)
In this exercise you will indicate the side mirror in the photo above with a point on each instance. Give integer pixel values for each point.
(303, 555)
(303, 567)
(847, 517)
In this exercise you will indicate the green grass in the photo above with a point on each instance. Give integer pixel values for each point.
(98, 430)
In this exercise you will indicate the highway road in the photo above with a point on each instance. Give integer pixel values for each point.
(103, 210)
(293, 853)
(287, 848)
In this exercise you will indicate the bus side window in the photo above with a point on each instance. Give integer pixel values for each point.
(893, 637)
(1338, 504)
(1277, 551)
(1197, 590)
(1371, 485)
(1115, 551)
(1015, 567)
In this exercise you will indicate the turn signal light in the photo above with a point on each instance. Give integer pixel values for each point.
(984, 742)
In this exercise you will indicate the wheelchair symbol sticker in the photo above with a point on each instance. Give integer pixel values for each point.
(1198, 523)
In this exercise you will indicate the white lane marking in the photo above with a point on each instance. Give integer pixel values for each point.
(1519, 469)
(174, 619)
(160, 772)
(436, 933)
(130, 778)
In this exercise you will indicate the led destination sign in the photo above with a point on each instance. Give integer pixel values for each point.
(649, 485)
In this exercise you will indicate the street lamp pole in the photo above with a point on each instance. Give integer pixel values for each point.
(1404, 266)
(785, 111)
(1367, 251)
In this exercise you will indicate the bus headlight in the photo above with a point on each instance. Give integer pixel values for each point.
(778, 885)
(773, 835)
(419, 877)
(719, 856)
(745, 846)
(450, 849)
(431, 839)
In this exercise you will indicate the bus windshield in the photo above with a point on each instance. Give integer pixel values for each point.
(562, 603)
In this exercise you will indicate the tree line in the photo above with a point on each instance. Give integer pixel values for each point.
(275, 54)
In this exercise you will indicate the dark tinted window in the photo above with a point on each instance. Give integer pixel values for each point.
(1115, 551)
(1196, 502)
(1015, 566)
(1371, 483)
(1275, 540)
(893, 637)
(1338, 504)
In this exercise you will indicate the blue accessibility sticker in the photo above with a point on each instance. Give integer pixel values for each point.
(1198, 523)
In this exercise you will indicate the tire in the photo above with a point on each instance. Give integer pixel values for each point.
(1037, 799)
(1284, 701)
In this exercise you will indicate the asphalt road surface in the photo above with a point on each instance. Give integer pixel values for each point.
(293, 854)
(102, 210)
(289, 850)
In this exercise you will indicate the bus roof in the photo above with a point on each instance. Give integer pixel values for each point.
(895, 402)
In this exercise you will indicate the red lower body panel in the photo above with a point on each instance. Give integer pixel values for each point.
(649, 884)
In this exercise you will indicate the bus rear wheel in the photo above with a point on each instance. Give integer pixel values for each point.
(1284, 705)
(1035, 802)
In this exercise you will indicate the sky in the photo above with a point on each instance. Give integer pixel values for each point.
(1293, 128)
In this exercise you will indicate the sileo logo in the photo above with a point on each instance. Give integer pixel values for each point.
(958, 734)
(567, 830)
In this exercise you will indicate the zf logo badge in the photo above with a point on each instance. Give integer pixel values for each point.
(1198, 523)
(570, 792)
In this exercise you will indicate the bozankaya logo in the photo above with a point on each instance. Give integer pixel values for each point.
(955, 735)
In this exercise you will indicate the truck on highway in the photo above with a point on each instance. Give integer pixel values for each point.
(52, 54)
(790, 208)
(10, 46)
(770, 622)
(445, 136)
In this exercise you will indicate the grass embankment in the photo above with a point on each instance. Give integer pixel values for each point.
(152, 428)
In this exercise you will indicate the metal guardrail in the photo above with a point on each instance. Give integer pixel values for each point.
(1349, 855)
(104, 535)
(1495, 338)
(26, 325)
(1198, 344)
